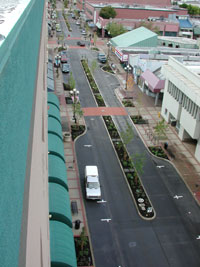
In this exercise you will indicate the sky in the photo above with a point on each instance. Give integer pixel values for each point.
(10, 11)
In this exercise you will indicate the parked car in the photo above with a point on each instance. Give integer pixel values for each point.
(78, 22)
(92, 184)
(80, 43)
(102, 57)
(63, 52)
(83, 32)
(63, 58)
(65, 67)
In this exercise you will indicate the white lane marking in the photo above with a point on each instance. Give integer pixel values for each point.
(101, 201)
(177, 197)
(105, 220)
(87, 145)
(160, 166)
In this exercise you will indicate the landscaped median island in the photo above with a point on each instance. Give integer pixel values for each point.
(94, 87)
(141, 199)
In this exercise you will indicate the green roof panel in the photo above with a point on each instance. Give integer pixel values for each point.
(55, 146)
(59, 204)
(54, 127)
(57, 170)
(62, 249)
(138, 37)
(53, 99)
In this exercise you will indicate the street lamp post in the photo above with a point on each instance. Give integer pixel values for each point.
(74, 94)
(127, 69)
(108, 45)
(57, 60)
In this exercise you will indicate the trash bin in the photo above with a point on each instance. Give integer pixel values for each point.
(165, 145)
(77, 224)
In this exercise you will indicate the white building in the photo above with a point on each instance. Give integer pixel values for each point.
(181, 101)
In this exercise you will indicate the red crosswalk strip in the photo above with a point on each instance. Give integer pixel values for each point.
(105, 111)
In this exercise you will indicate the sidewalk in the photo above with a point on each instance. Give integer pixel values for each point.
(184, 160)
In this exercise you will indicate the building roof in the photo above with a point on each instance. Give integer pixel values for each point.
(171, 27)
(133, 38)
(181, 40)
(185, 23)
(197, 30)
(57, 170)
(62, 245)
(154, 83)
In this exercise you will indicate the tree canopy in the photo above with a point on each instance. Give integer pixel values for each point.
(149, 25)
(115, 29)
(192, 10)
(107, 12)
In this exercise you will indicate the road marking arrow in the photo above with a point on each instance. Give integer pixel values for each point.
(101, 201)
(105, 220)
(177, 197)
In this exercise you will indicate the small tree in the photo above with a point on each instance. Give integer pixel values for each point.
(138, 160)
(95, 39)
(127, 135)
(72, 82)
(149, 25)
(115, 29)
(160, 129)
(94, 66)
(107, 12)
(66, 3)
(78, 111)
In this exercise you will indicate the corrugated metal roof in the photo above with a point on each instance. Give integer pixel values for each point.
(50, 74)
(59, 204)
(55, 146)
(134, 37)
(53, 111)
(184, 23)
(62, 247)
(53, 99)
(54, 126)
(197, 30)
(57, 170)
(171, 28)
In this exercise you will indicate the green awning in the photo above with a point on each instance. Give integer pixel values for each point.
(53, 99)
(57, 170)
(59, 204)
(62, 249)
(55, 146)
(53, 111)
(54, 127)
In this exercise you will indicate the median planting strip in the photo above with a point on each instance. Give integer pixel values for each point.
(139, 194)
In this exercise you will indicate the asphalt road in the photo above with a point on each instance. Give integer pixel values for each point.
(126, 239)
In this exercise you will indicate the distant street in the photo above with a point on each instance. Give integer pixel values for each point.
(120, 237)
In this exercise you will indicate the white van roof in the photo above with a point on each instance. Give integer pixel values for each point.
(91, 171)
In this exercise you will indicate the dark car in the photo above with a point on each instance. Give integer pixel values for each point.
(63, 59)
(65, 67)
(102, 57)
(80, 43)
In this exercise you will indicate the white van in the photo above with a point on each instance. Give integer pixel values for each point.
(92, 184)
